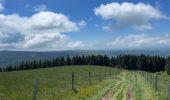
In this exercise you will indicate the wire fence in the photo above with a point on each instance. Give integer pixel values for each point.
(69, 82)
(169, 92)
(157, 82)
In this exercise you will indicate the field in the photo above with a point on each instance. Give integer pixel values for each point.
(54, 83)
(102, 83)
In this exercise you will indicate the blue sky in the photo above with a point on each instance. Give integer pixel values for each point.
(84, 24)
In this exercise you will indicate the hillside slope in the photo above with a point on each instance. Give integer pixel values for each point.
(102, 83)
(53, 82)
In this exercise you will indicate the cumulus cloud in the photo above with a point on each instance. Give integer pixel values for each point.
(76, 44)
(43, 21)
(42, 29)
(50, 40)
(126, 14)
(40, 7)
(1, 5)
(82, 23)
(107, 27)
(51, 22)
(11, 38)
(140, 40)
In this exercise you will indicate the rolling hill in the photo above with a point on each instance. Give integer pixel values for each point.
(103, 83)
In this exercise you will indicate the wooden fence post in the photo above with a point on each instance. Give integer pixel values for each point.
(72, 77)
(90, 78)
(169, 92)
(105, 72)
(151, 79)
(147, 75)
(35, 92)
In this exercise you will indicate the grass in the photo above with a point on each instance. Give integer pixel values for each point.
(141, 88)
(163, 81)
(54, 83)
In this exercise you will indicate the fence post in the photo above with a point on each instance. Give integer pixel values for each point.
(35, 92)
(151, 79)
(90, 78)
(169, 92)
(147, 77)
(105, 72)
(73, 81)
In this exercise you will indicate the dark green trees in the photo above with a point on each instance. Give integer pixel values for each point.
(0, 69)
(130, 62)
(68, 60)
(167, 66)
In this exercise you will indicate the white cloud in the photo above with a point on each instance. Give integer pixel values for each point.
(1, 5)
(107, 27)
(82, 23)
(43, 40)
(10, 38)
(76, 44)
(42, 29)
(40, 7)
(43, 21)
(140, 40)
(51, 22)
(143, 27)
(126, 14)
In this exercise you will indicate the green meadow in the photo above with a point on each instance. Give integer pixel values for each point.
(103, 83)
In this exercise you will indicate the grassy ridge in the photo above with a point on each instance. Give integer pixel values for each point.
(54, 83)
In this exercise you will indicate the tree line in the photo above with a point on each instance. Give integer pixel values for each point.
(130, 62)
(167, 65)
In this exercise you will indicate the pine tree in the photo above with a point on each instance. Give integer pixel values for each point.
(62, 61)
(68, 60)
(0, 69)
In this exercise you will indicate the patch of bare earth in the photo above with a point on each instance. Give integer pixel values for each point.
(129, 93)
(108, 96)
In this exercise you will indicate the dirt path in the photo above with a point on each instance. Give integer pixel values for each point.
(110, 93)
(129, 94)
(108, 96)
(128, 89)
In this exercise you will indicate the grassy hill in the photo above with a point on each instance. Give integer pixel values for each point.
(104, 83)
(53, 82)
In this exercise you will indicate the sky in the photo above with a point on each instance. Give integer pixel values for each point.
(53, 25)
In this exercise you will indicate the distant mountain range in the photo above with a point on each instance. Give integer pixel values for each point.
(14, 57)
